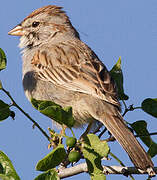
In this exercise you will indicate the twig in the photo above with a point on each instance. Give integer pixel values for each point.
(105, 129)
(110, 139)
(124, 104)
(81, 168)
(97, 128)
(130, 108)
(87, 129)
(67, 172)
(27, 115)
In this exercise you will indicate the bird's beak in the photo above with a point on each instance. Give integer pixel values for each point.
(17, 31)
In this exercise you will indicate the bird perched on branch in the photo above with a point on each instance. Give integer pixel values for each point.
(58, 66)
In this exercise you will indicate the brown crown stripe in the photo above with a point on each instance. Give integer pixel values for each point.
(50, 9)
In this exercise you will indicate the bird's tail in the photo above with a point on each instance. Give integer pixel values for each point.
(118, 128)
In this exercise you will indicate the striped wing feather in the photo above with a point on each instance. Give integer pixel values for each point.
(76, 70)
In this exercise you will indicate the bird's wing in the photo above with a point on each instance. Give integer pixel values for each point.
(75, 68)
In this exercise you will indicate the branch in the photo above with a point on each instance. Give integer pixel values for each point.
(27, 115)
(81, 168)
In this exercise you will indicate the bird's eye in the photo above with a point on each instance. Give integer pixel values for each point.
(35, 24)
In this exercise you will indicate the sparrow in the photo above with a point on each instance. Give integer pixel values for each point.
(59, 67)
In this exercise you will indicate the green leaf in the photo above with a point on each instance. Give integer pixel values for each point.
(152, 150)
(36, 103)
(1, 169)
(93, 156)
(3, 60)
(99, 147)
(98, 177)
(8, 172)
(53, 159)
(150, 106)
(41, 105)
(55, 112)
(1, 85)
(140, 127)
(68, 117)
(4, 111)
(4, 177)
(117, 75)
(49, 175)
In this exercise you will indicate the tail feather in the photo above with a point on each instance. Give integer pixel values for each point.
(117, 127)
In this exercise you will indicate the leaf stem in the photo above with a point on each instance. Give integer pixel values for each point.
(27, 115)
(72, 133)
(116, 158)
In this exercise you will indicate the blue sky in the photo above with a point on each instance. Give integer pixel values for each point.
(112, 29)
